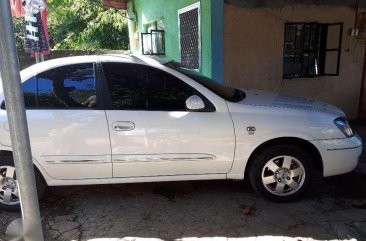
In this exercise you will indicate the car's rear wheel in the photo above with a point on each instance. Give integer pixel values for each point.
(282, 173)
(9, 191)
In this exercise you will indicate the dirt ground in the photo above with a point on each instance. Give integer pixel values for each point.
(219, 210)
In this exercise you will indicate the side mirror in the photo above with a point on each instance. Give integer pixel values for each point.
(195, 103)
(2, 105)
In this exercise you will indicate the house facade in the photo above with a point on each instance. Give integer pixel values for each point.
(192, 16)
(294, 47)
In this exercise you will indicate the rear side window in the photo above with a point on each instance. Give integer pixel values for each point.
(71, 86)
(29, 88)
(140, 87)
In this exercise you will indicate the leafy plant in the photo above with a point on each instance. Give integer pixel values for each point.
(82, 25)
(19, 32)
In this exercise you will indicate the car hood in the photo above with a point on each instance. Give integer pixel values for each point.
(277, 100)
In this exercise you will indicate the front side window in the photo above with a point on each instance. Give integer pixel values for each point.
(127, 86)
(312, 49)
(166, 92)
(71, 86)
(139, 87)
(227, 93)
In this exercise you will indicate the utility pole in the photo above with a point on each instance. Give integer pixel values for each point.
(10, 74)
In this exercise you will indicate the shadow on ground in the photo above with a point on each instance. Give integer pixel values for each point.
(335, 209)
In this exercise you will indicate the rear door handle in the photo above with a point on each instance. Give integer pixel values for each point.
(123, 126)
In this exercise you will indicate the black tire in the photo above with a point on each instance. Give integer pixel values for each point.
(6, 159)
(260, 160)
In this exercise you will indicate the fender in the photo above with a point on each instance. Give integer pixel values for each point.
(45, 175)
(247, 144)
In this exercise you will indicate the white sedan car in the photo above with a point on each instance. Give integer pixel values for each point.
(126, 119)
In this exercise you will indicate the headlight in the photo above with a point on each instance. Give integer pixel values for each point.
(344, 126)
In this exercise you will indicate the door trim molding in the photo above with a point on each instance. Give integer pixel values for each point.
(75, 159)
(162, 157)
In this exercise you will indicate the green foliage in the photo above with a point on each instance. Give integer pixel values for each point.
(19, 32)
(83, 25)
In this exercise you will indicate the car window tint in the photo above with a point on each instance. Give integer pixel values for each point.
(166, 92)
(139, 87)
(127, 86)
(29, 88)
(71, 86)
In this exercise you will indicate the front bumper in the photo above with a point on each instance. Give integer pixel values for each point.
(339, 155)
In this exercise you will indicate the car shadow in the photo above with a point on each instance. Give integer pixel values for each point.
(178, 210)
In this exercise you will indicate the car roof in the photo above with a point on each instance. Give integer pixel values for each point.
(53, 63)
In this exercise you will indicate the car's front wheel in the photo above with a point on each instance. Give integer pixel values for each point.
(282, 173)
(9, 191)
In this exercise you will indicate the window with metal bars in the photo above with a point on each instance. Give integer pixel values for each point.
(312, 49)
(189, 36)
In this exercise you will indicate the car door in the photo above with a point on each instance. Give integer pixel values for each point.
(68, 129)
(152, 133)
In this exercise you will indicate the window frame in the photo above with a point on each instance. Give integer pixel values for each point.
(326, 50)
(210, 107)
(151, 38)
(320, 48)
(151, 29)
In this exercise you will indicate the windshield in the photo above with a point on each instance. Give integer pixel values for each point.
(229, 94)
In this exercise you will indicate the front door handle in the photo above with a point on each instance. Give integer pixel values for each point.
(123, 126)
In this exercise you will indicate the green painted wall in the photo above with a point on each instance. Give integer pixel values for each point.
(150, 10)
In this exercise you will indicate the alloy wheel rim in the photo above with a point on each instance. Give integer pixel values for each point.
(9, 192)
(283, 175)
